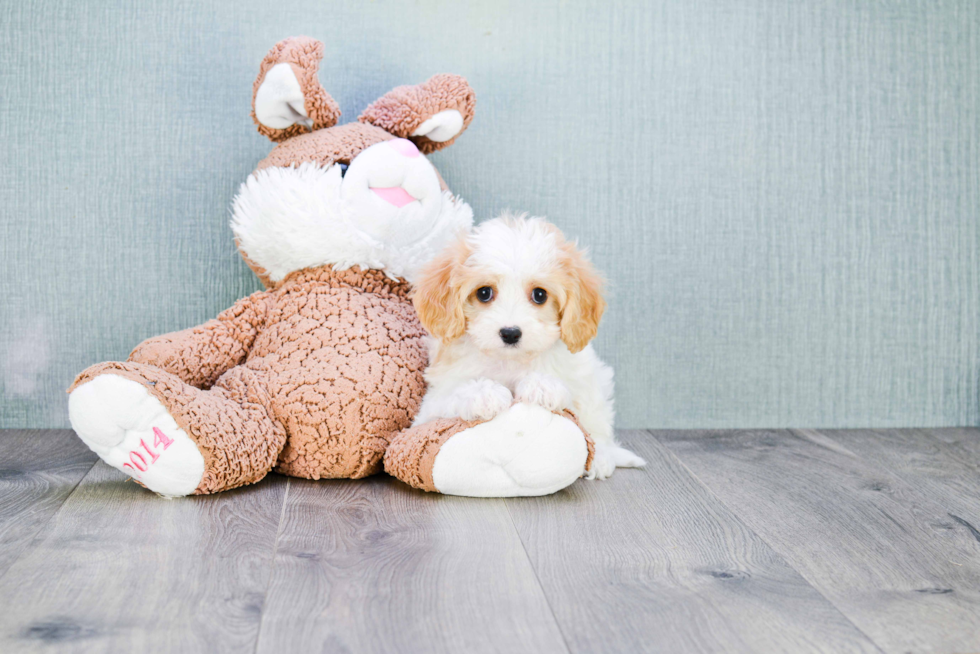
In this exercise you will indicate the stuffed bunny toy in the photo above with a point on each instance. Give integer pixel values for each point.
(321, 374)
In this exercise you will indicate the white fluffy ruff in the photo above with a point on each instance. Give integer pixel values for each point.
(287, 219)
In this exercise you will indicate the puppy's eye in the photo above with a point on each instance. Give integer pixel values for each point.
(484, 294)
(343, 169)
(539, 296)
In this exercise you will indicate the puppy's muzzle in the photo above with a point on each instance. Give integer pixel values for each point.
(510, 335)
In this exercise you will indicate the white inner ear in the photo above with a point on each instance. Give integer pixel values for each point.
(279, 101)
(441, 127)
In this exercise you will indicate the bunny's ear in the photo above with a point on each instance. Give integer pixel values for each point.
(287, 98)
(431, 114)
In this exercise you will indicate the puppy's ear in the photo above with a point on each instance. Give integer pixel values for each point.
(287, 98)
(431, 114)
(438, 295)
(584, 303)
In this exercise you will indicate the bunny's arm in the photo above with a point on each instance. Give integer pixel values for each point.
(199, 355)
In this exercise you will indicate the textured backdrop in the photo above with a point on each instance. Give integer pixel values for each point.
(784, 195)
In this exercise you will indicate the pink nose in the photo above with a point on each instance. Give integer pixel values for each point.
(404, 147)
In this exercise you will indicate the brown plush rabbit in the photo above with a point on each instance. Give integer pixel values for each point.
(320, 375)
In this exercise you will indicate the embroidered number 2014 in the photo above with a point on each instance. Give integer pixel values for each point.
(136, 459)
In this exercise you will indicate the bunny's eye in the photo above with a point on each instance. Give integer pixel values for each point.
(343, 169)
(484, 294)
(539, 296)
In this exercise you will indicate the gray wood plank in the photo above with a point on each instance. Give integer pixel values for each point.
(38, 470)
(651, 561)
(374, 566)
(942, 465)
(119, 569)
(961, 443)
(877, 546)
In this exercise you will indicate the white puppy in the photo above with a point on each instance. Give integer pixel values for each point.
(512, 307)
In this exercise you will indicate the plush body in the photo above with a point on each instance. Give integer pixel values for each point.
(321, 374)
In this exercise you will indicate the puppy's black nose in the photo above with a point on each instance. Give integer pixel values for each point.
(510, 335)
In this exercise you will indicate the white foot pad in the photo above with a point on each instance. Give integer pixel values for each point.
(524, 451)
(122, 422)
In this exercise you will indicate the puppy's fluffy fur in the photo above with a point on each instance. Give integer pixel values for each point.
(517, 273)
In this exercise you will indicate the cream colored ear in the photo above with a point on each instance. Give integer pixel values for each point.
(441, 127)
(436, 295)
(279, 102)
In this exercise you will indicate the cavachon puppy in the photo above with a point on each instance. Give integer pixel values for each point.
(512, 307)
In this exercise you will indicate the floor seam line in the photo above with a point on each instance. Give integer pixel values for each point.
(772, 547)
(537, 580)
(272, 564)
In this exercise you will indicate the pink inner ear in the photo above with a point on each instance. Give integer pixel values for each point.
(395, 195)
(404, 147)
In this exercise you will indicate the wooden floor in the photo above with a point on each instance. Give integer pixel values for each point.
(764, 541)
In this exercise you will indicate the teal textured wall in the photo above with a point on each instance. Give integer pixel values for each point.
(784, 194)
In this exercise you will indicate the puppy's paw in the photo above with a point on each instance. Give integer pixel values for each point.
(481, 399)
(545, 391)
(609, 456)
